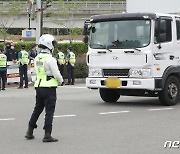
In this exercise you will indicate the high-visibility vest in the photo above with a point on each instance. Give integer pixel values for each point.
(61, 58)
(3, 60)
(42, 80)
(25, 57)
(71, 59)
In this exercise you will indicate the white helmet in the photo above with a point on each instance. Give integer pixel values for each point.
(48, 41)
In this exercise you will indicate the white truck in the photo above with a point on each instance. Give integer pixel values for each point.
(134, 54)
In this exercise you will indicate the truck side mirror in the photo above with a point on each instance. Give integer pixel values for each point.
(85, 39)
(86, 29)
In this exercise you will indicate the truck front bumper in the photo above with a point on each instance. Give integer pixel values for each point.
(126, 83)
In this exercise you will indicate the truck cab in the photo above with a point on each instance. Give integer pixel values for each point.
(135, 54)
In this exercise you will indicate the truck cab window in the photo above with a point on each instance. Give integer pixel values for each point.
(163, 32)
(178, 28)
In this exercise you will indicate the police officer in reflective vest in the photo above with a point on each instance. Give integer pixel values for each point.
(60, 61)
(23, 60)
(47, 79)
(70, 62)
(3, 69)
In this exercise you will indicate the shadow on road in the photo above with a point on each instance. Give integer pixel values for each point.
(139, 101)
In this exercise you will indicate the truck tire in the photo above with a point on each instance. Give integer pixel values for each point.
(170, 94)
(109, 95)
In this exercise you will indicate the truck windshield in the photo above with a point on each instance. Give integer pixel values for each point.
(121, 34)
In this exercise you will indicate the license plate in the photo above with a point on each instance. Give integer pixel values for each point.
(113, 82)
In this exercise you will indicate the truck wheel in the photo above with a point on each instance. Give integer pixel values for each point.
(109, 95)
(170, 94)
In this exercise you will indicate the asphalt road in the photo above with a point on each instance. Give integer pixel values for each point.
(85, 125)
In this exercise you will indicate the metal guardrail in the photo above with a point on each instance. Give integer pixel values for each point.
(98, 4)
(79, 6)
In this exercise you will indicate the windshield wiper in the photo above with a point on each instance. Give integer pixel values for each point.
(103, 46)
(136, 49)
(130, 51)
(108, 49)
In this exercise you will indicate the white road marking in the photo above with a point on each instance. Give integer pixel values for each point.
(103, 113)
(8, 119)
(161, 109)
(60, 116)
(72, 87)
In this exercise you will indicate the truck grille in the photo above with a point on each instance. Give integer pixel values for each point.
(116, 72)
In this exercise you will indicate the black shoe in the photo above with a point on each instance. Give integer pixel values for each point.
(20, 88)
(3, 88)
(29, 133)
(72, 83)
(25, 86)
(29, 137)
(48, 137)
(67, 84)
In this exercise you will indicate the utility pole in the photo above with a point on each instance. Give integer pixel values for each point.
(29, 11)
(39, 20)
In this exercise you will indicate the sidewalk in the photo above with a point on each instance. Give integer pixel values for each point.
(78, 81)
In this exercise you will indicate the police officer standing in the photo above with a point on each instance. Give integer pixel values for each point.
(23, 60)
(60, 61)
(47, 78)
(70, 61)
(3, 69)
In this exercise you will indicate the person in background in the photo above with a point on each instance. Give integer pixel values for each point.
(60, 61)
(23, 60)
(7, 51)
(70, 62)
(10, 52)
(14, 53)
(33, 52)
(47, 79)
(3, 69)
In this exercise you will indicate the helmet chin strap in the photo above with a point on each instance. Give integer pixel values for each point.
(51, 50)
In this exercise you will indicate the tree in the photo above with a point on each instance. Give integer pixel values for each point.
(8, 14)
(65, 11)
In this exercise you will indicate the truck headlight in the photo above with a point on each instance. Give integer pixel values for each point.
(140, 72)
(95, 72)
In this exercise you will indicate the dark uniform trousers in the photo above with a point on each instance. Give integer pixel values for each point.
(45, 98)
(3, 79)
(61, 69)
(70, 73)
(23, 75)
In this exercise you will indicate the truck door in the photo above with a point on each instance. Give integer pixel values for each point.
(163, 45)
